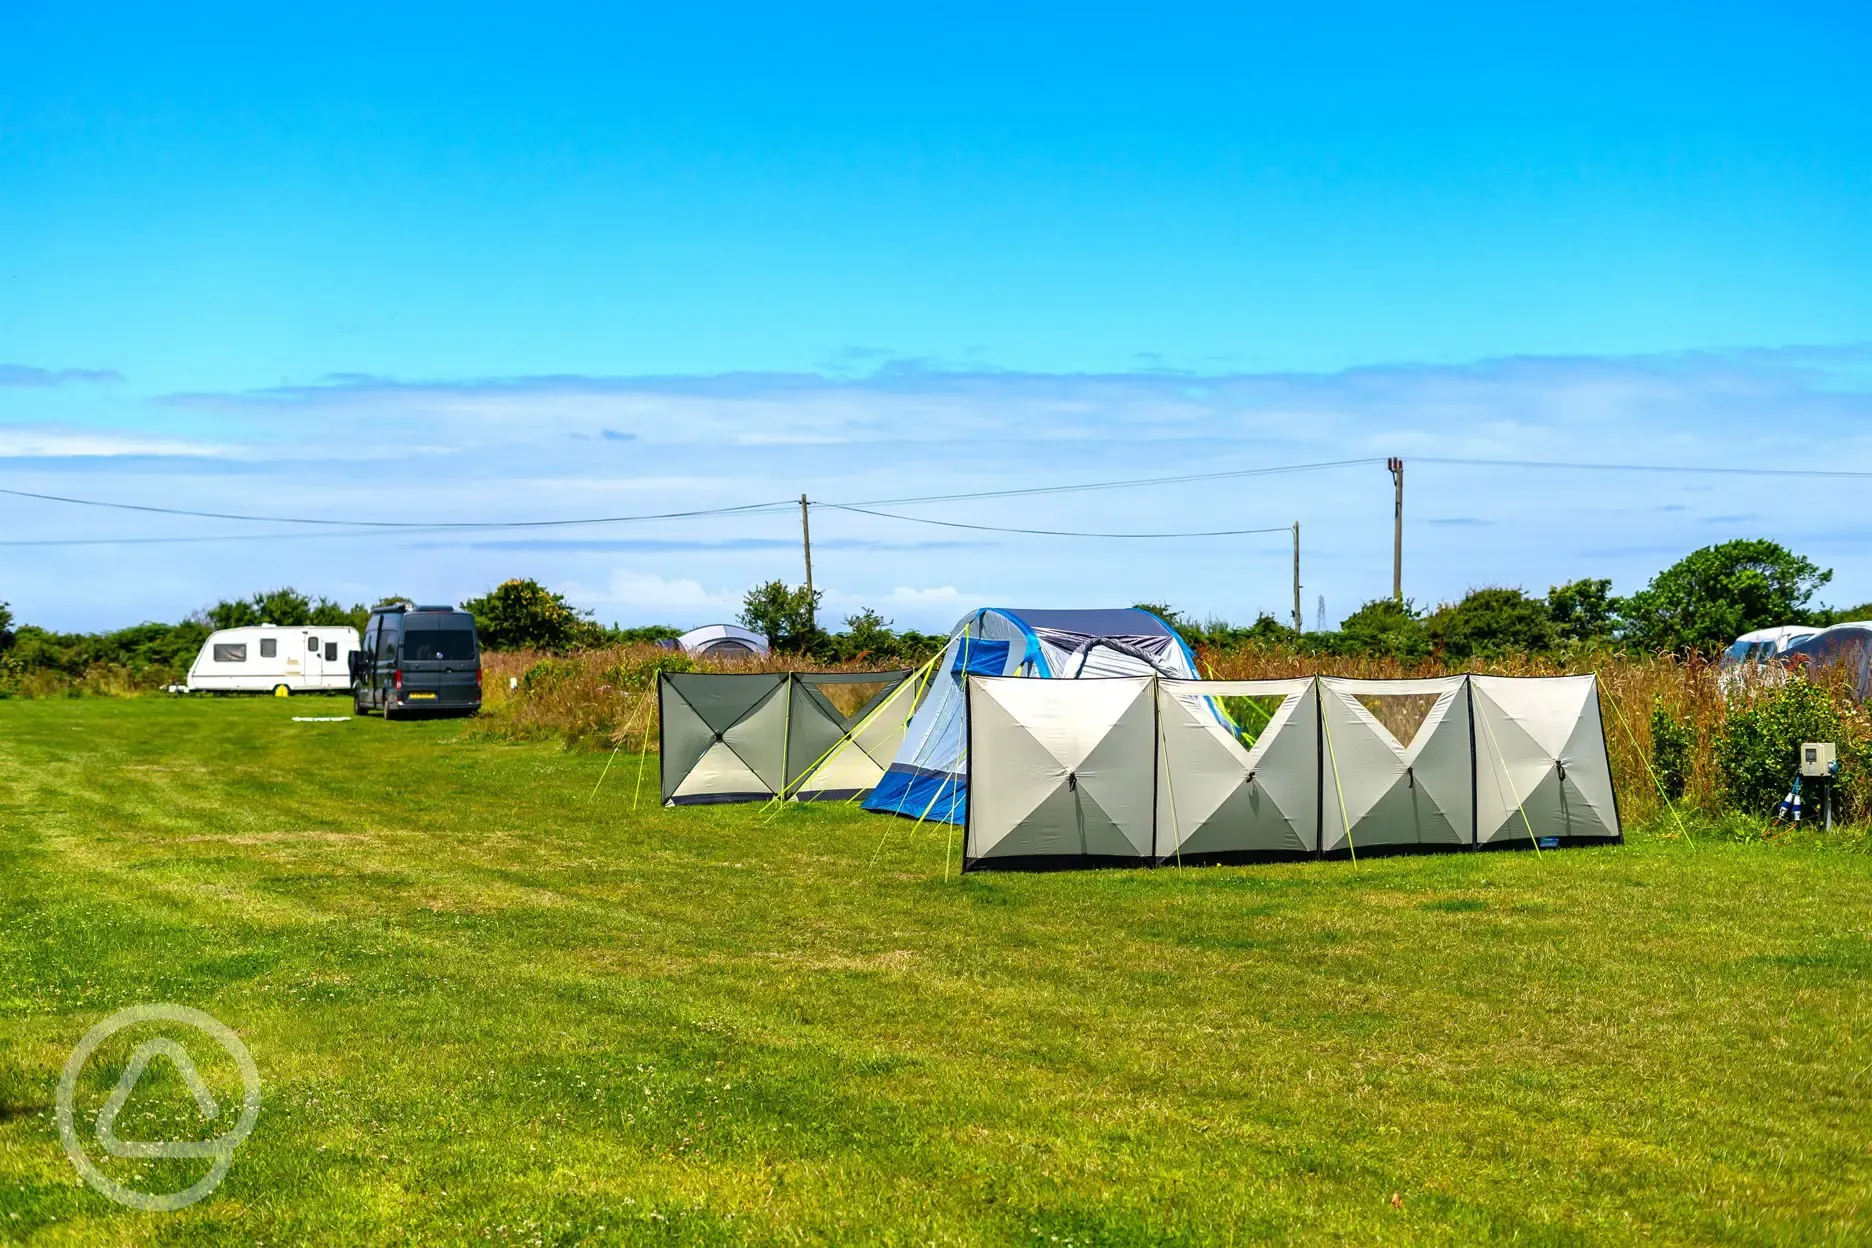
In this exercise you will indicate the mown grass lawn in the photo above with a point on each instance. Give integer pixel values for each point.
(487, 1009)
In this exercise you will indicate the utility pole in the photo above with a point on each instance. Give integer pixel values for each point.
(805, 525)
(1299, 623)
(1396, 466)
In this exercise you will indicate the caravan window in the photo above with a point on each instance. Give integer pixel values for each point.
(230, 652)
(331, 652)
(269, 647)
(312, 644)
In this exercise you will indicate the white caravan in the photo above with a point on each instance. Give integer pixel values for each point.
(1765, 643)
(271, 658)
(1757, 655)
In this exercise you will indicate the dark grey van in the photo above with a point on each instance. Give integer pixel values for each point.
(418, 660)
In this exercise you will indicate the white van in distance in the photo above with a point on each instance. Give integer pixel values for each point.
(270, 658)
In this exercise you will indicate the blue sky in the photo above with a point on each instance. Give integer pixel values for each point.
(471, 263)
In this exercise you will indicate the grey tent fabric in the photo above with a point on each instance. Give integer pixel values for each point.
(1143, 769)
(1064, 769)
(1542, 773)
(703, 756)
(1222, 792)
(1385, 791)
(749, 736)
(835, 754)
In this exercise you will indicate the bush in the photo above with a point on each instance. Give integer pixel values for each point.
(783, 615)
(1489, 623)
(525, 615)
(286, 607)
(1671, 743)
(1712, 596)
(1759, 752)
(1385, 626)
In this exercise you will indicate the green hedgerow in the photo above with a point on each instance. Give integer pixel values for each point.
(1759, 752)
(1671, 740)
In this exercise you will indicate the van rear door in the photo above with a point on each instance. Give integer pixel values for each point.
(440, 660)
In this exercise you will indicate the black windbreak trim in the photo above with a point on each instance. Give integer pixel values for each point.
(1052, 862)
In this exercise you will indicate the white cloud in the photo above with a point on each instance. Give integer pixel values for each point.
(29, 443)
(530, 449)
(646, 593)
(905, 595)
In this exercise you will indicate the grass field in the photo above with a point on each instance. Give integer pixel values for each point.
(486, 1008)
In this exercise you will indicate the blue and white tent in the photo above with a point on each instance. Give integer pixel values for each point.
(929, 779)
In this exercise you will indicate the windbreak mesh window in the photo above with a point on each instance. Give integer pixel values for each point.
(1401, 714)
(1249, 715)
(269, 647)
(438, 643)
(230, 652)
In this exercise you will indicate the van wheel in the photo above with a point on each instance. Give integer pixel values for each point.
(389, 712)
(282, 691)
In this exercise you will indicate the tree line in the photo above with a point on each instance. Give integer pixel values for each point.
(1700, 603)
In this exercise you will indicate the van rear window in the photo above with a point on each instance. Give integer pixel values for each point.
(225, 652)
(457, 644)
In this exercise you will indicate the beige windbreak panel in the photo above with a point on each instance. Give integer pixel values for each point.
(1541, 766)
(1237, 768)
(1060, 772)
(1397, 762)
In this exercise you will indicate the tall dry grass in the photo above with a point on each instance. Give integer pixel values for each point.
(1629, 688)
(100, 680)
(601, 699)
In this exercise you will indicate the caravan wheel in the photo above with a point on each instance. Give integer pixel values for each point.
(282, 691)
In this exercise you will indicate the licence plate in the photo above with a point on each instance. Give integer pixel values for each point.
(418, 697)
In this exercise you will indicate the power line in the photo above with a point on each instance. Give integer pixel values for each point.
(1001, 528)
(205, 537)
(1129, 483)
(744, 509)
(1683, 468)
(777, 506)
(433, 525)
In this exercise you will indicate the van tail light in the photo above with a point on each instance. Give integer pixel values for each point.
(477, 678)
(399, 678)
